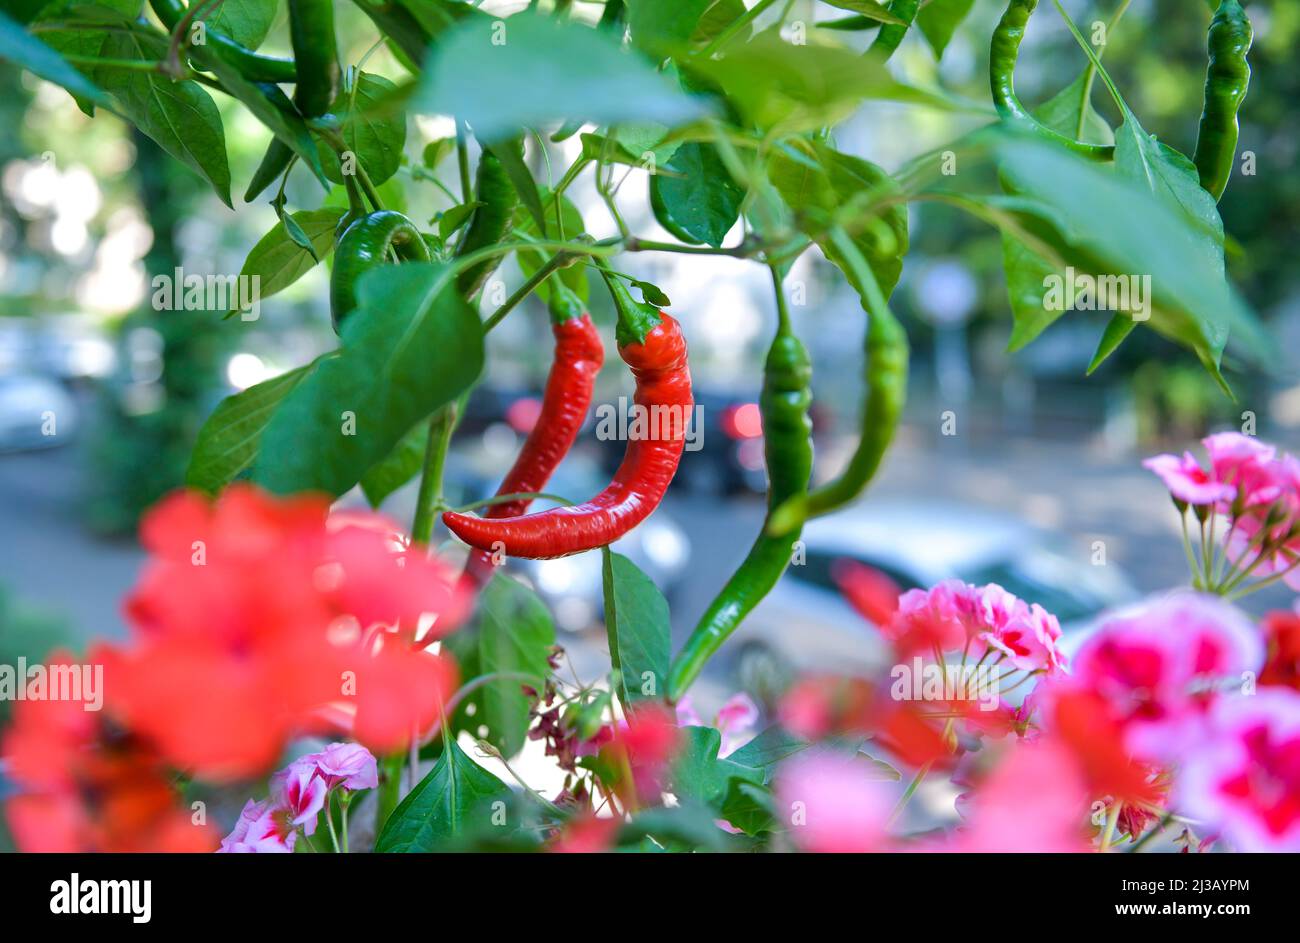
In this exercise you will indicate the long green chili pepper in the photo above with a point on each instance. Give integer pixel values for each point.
(498, 200)
(315, 49)
(251, 65)
(1003, 53)
(891, 34)
(788, 450)
(1226, 82)
(886, 382)
(365, 244)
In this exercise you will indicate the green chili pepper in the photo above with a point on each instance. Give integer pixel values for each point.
(365, 244)
(891, 34)
(498, 200)
(251, 65)
(311, 33)
(1002, 70)
(1226, 82)
(788, 450)
(886, 393)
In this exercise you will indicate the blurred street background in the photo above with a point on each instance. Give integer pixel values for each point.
(1014, 468)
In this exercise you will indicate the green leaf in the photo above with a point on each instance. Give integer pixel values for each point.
(1118, 327)
(277, 261)
(412, 345)
(28, 52)
(870, 9)
(180, 116)
(636, 621)
(816, 181)
(659, 27)
(455, 797)
(245, 21)
(435, 152)
(229, 440)
(268, 103)
(1087, 217)
(939, 19)
(375, 136)
(682, 828)
(530, 260)
(699, 775)
(1069, 112)
(512, 632)
(717, 18)
(501, 76)
(450, 221)
(398, 467)
(768, 749)
(700, 202)
(792, 88)
(748, 807)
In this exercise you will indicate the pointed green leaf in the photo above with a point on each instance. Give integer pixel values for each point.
(278, 261)
(229, 440)
(455, 797)
(412, 345)
(636, 621)
(512, 632)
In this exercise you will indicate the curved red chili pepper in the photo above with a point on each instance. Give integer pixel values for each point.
(578, 358)
(663, 379)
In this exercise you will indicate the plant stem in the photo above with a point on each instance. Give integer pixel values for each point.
(390, 790)
(737, 25)
(429, 500)
(1155, 830)
(526, 289)
(462, 162)
(650, 245)
(908, 793)
(133, 65)
(1112, 820)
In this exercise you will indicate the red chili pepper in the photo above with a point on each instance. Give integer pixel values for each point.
(578, 358)
(663, 379)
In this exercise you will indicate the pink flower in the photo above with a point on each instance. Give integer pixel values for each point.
(1245, 778)
(261, 829)
(349, 765)
(735, 720)
(1187, 481)
(300, 792)
(1159, 667)
(953, 616)
(1033, 801)
(831, 804)
(942, 617)
(1242, 462)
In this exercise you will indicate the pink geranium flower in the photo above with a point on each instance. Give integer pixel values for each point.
(1159, 666)
(1187, 481)
(735, 720)
(1242, 462)
(349, 765)
(262, 828)
(300, 792)
(1244, 778)
(830, 804)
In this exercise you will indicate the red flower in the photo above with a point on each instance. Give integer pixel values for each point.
(873, 594)
(643, 745)
(1282, 638)
(84, 787)
(258, 616)
(586, 834)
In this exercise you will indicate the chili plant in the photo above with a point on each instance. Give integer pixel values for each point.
(262, 598)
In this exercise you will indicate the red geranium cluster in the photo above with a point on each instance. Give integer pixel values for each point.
(258, 620)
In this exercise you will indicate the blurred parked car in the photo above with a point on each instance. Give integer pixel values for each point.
(36, 412)
(806, 625)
